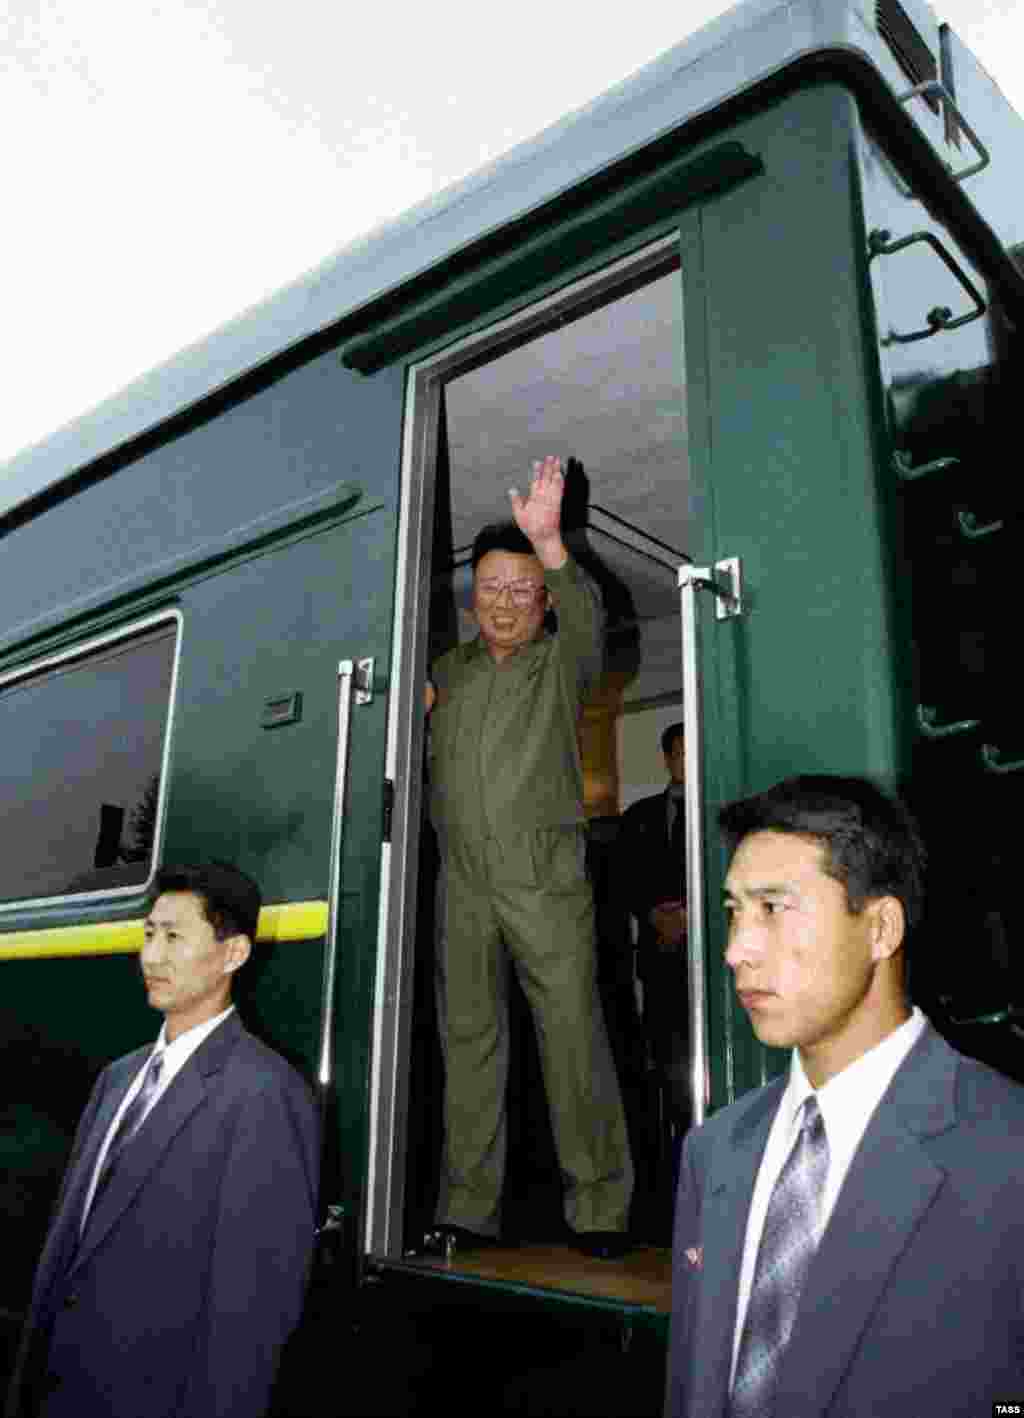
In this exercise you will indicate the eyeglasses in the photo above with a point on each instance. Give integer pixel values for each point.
(521, 593)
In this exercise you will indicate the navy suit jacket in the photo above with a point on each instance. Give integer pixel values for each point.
(192, 1269)
(649, 871)
(914, 1301)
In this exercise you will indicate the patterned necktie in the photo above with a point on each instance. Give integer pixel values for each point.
(788, 1242)
(131, 1121)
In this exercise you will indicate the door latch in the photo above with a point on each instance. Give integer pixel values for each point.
(362, 681)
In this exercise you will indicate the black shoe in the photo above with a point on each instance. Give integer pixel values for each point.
(446, 1238)
(601, 1245)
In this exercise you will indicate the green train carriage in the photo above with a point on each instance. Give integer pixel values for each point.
(765, 293)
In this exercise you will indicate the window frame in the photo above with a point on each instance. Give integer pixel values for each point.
(80, 651)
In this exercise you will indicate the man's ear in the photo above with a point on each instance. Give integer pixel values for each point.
(888, 926)
(238, 948)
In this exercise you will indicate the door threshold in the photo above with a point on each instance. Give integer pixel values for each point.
(641, 1281)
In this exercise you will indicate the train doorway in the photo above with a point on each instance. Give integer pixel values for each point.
(595, 376)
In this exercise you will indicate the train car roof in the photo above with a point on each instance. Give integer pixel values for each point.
(720, 61)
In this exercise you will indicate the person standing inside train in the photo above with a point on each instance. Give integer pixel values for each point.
(650, 866)
(506, 802)
(176, 1263)
(850, 1237)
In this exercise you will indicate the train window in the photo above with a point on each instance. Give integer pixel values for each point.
(84, 737)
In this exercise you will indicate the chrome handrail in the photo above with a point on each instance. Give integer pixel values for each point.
(346, 672)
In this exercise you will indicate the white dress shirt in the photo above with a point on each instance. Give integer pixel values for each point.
(847, 1102)
(176, 1055)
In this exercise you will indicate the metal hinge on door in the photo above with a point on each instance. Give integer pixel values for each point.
(389, 809)
(363, 681)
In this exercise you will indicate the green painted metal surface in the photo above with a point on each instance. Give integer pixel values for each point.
(267, 610)
(563, 237)
(783, 415)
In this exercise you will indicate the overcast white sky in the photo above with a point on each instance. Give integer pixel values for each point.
(169, 162)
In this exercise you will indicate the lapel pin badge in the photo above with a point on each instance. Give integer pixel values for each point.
(695, 1255)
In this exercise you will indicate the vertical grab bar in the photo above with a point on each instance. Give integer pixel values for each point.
(729, 604)
(689, 579)
(346, 669)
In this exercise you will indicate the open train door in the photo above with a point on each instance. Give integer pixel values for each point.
(858, 330)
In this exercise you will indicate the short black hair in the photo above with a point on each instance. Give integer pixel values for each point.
(231, 900)
(668, 738)
(501, 536)
(872, 845)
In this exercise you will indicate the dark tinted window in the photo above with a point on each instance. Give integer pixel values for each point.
(81, 748)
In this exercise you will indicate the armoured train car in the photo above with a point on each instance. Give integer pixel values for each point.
(767, 295)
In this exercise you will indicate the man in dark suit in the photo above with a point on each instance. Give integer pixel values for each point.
(650, 863)
(849, 1238)
(177, 1259)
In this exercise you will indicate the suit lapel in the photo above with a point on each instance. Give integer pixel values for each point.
(81, 1168)
(63, 1235)
(664, 836)
(724, 1211)
(186, 1094)
(890, 1185)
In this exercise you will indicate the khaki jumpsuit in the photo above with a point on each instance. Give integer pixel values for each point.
(506, 800)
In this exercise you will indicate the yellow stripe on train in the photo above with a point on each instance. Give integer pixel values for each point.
(287, 921)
